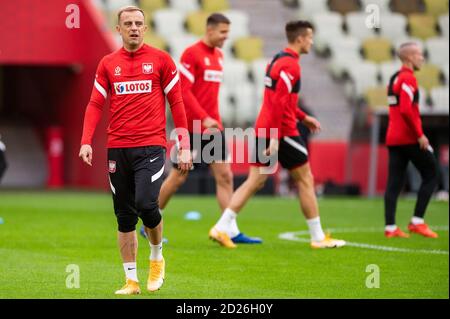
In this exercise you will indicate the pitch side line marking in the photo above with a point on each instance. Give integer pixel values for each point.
(293, 236)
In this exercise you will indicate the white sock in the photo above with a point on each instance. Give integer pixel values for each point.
(225, 222)
(417, 220)
(130, 271)
(315, 229)
(234, 230)
(390, 228)
(156, 252)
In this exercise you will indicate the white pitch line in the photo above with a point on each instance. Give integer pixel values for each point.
(293, 236)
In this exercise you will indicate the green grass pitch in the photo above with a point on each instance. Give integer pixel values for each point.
(44, 232)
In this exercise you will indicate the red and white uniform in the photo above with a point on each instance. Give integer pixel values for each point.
(405, 124)
(201, 72)
(138, 83)
(279, 109)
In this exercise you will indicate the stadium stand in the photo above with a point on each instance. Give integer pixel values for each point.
(377, 50)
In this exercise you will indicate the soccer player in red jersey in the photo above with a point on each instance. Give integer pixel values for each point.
(201, 73)
(277, 134)
(407, 142)
(138, 79)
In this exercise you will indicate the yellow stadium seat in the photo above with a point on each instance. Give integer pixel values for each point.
(196, 22)
(407, 7)
(376, 97)
(149, 6)
(377, 50)
(429, 77)
(215, 5)
(344, 7)
(436, 8)
(249, 48)
(155, 41)
(422, 26)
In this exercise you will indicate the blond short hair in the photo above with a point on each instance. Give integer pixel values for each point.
(129, 9)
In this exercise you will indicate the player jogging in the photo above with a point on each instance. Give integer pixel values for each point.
(280, 112)
(201, 73)
(406, 142)
(138, 78)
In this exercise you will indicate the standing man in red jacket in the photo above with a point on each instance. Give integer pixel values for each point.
(201, 74)
(407, 142)
(277, 136)
(138, 79)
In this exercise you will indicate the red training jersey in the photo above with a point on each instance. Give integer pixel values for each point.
(201, 72)
(279, 109)
(138, 83)
(405, 124)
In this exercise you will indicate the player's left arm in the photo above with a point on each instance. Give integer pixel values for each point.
(170, 80)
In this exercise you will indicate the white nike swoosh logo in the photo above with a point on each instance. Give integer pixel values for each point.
(187, 65)
(152, 160)
(173, 72)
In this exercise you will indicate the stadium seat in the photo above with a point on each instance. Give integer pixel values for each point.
(423, 100)
(169, 22)
(239, 23)
(227, 50)
(437, 49)
(248, 48)
(443, 25)
(445, 72)
(155, 41)
(429, 77)
(150, 6)
(407, 7)
(344, 7)
(422, 26)
(377, 50)
(376, 97)
(235, 73)
(344, 52)
(364, 75)
(436, 8)
(258, 71)
(356, 25)
(196, 22)
(185, 5)
(387, 70)
(383, 5)
(226, 108)
(327, 26)
(245, 101)
(393, 26)
(178, 44)
(440, 98)
(215, 5)
(308, 8)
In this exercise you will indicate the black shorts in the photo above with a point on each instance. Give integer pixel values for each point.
(207, 149)
(292, 152)
(135, 176)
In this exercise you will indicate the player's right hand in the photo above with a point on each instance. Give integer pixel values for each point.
(273, 147)
(184, 161)
(424, 142)
(209, 122)
(86, 154)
